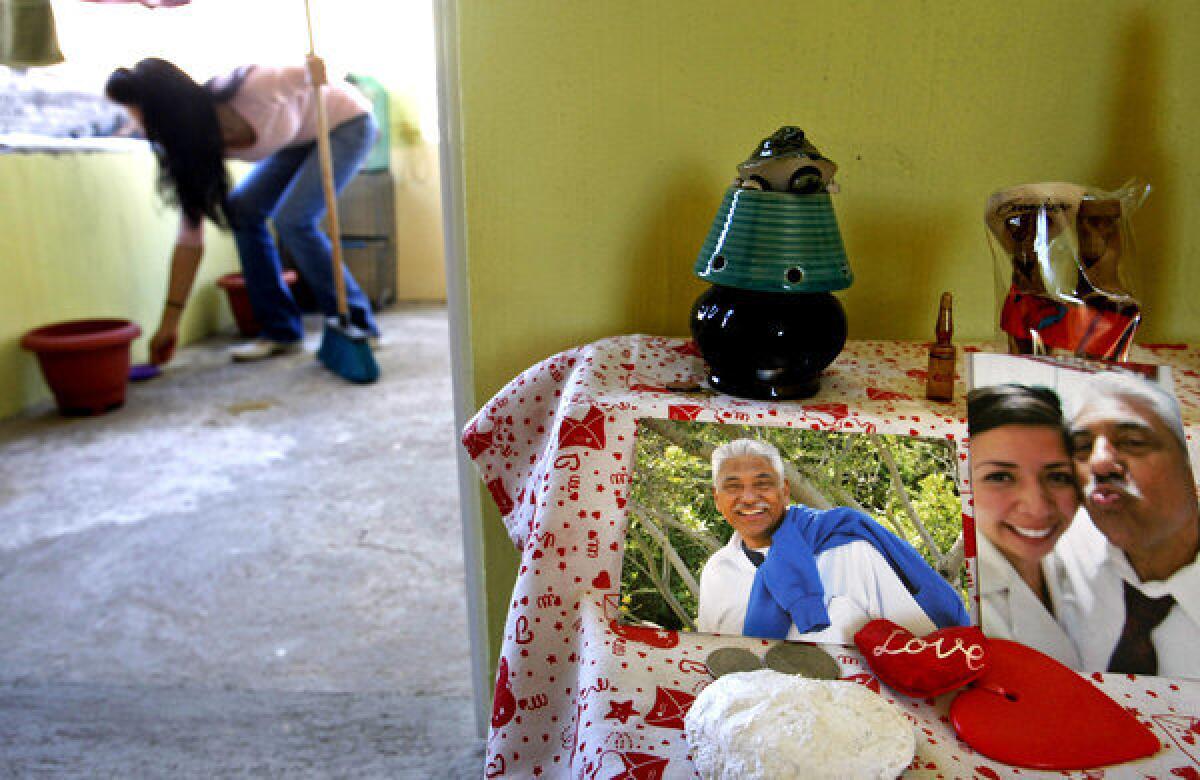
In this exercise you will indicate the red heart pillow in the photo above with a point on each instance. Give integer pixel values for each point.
(1029, 710)
(923, 666)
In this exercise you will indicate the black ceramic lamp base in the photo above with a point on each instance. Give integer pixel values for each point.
(767, 345)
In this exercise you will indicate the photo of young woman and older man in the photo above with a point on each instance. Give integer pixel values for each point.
(1086, 513)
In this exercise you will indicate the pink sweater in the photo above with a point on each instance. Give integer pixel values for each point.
(278, 103)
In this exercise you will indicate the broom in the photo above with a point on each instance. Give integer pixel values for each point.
(344, 347)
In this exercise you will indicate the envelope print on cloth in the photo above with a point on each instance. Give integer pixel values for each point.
(588, 432)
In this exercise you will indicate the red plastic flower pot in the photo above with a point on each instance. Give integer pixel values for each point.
(85, 362)
(239, 300)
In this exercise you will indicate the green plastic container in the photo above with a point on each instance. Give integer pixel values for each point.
(380, 157)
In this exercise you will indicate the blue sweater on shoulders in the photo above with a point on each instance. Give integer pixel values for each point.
(787, 588)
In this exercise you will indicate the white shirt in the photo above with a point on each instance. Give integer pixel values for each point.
(1094, 603)
(860, 586)
(1011, 610)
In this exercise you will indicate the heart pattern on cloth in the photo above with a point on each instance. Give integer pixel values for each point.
(1029, 710)
(923, 666)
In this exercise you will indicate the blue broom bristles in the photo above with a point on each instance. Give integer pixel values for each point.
(346, 352)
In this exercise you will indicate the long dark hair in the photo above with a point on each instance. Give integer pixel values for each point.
(1013, 404)
(180, 120)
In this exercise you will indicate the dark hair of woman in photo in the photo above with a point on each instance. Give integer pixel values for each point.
(179, 118)
(1013, 404)
(1025, 497)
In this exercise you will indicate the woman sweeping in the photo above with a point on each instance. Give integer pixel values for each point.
(264, 115)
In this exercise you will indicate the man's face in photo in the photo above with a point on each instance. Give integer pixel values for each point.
(1136, 480)
(751, 497)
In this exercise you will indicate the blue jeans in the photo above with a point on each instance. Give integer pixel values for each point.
(286, 188)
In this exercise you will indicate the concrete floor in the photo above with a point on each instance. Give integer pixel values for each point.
(247, 570)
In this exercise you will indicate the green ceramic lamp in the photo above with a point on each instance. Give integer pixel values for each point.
(774, 254)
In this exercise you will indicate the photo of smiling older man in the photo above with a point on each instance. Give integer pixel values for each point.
(792, 533)
(791, 571)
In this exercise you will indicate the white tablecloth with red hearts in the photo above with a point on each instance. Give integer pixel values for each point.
(578, 695)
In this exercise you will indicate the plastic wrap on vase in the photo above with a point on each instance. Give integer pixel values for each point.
(1062, 255)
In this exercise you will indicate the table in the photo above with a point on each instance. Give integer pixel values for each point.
(580, 695)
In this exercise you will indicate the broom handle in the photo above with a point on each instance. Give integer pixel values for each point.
(326, 157)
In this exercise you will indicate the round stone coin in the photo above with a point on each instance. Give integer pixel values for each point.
(804, 660)
(728, 660)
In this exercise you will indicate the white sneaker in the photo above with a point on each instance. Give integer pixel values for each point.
(261, 349)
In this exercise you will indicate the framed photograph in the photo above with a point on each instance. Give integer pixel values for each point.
(800, 534)
(1084, 498)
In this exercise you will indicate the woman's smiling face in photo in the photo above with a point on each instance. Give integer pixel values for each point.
(1024, 488)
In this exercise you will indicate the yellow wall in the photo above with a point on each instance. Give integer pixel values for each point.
(420, 256)
(598, 138)
(85, 235)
